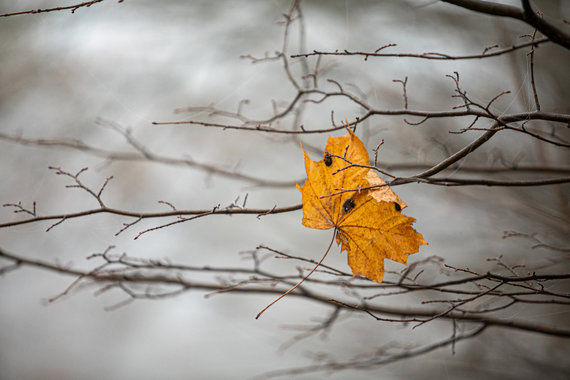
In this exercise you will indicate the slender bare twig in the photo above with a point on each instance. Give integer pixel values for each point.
(405, 93)
(265, 127)
(73, 8)
(532, 80)
(430, 55)
(526, 14)
(147, 215)
(79, 185)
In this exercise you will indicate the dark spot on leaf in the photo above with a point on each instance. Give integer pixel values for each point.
(328, 159)
(348, 205)
(398, 208)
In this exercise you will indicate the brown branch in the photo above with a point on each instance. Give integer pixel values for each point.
(490, 182)
(409, 313)
(405, 93)
(310, 261)
(459, 304)
(179, 220)
(533, 115)
(429, 56)
(72, 7)
(80, 185)
(532, 81)
(525, 131)
(147, 215)
(19, 208)
(490, 8)
(512, 168)
(526, 14)
(144, 155)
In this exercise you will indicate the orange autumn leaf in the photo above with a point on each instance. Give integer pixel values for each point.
(368, 223)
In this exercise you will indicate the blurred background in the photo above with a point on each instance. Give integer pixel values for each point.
(70, 76)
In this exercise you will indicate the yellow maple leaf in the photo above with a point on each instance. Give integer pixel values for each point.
(368, 223)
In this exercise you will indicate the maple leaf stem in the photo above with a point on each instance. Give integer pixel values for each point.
(302, 280)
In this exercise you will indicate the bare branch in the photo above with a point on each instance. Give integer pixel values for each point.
(145, 155)
(429, 56)
(526, 14)
(73, 8)
(533, 115)
(147, 215)
(134, 277)
(404, 83)
(80, 185)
